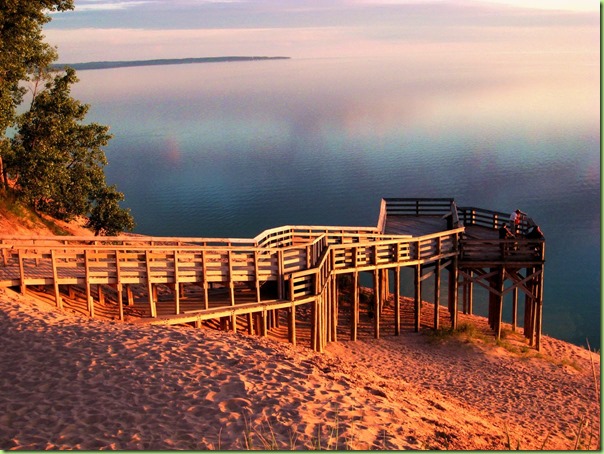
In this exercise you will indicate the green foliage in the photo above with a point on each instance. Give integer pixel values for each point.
(54, 159)
(57, 162)
(107, 217)
(23, 49)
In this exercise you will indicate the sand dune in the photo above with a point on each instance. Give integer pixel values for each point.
(70, 382)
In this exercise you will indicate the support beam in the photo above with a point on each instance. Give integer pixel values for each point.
(354, 327)
(418, 297)
(55, 280)
(89, 300)
(514, 310)
(499, 282)
(291, 328)
(453, 289)
(376, 303)
(437, 296)
(176, 285)
(397, 301)
(539, 313)
(150, 291)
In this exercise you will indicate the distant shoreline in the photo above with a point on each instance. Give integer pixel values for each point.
(166, 61)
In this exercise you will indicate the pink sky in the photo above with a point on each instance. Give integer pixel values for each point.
(148, 29)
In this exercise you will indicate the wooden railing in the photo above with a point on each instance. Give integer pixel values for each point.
(418, 207)
(497, 251)
(303, 260)
(345, 258)
(471, 216)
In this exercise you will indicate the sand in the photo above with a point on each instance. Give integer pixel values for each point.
(69, 382)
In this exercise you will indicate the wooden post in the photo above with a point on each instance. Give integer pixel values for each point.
(492, 300)
(130, 295)
(515, 309)
(334, 308)
(206, 297)
(101, 294)
(55, 280)
(120, 300)
(377, 303)
(152, 306)
(355, 306)
(250, 323)
(385, 289)
(437, 295)
(89, 300)
(470, 294)
(234, 323)
(257, 275)
(119, 286)
(263, 327)
(314, 326)
(176, 285)
(418, 296)
(529, 304)
(281, 274)
(21, 273)
(291, 328)
(397, 301)
(499, 281)
(453, 288)
(539, 311)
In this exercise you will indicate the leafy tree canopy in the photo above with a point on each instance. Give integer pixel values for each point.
(54, 160)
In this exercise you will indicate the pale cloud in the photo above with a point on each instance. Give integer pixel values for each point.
(104, 5)
(150, 29)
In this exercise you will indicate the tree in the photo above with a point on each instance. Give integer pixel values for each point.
(57, 161)
(23, 49)
(107, 217)
(54, 160)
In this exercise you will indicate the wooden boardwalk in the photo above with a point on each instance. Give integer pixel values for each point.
(290, 276)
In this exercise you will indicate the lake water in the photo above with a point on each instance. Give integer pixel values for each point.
(231, 149)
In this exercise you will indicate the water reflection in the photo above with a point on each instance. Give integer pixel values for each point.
(230, 150)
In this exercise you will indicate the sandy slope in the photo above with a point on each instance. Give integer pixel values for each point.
(72, 382)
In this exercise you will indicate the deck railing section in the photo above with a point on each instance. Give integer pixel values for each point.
(471, 216)
(496, 250)
(418, 207)
(303, 260)
(522, 251)
(346, 258)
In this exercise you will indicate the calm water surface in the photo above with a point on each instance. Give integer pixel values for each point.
(231, 149)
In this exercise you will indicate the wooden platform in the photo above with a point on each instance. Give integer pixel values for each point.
(195, 280)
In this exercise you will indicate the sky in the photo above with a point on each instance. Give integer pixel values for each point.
(101, 30)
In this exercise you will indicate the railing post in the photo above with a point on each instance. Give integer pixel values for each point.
(120, 287)
(152, 307)
(55, 280)
(89, 300)
(21, 272)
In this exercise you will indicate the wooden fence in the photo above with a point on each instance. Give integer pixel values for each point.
(302, 261)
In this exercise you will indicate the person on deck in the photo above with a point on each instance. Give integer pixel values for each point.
(535, 233)
(515, 220)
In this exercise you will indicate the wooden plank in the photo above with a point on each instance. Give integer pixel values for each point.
(55, 278)
(176, 283)
(437, 296)
(418, 297)
(152, 305)
(89, 300)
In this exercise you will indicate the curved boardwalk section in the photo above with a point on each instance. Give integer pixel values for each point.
(292, 277)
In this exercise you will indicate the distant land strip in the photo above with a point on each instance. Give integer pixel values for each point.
(165, 61)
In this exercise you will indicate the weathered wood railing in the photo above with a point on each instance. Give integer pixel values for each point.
(418, 207)
(304, 261)
(471, 216)
(346, 258)
(521, 251)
